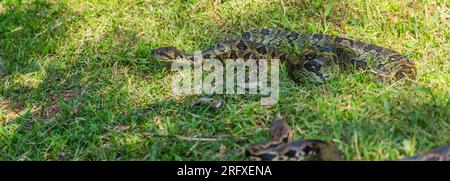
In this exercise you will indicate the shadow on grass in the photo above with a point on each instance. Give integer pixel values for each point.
(31, 34)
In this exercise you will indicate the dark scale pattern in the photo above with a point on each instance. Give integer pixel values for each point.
(246, 35)
(262, 49)
(249, 55)
(241, 45)
(274, 53)
(291, 153)
(267, 157)
(293, 36)
(349, 53)
(312, 66)
(233, 55)
(373, 47)
(265, 31)
(270, 43)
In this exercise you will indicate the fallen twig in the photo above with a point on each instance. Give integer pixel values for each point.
(194, 138)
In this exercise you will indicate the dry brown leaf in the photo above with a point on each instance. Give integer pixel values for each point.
(158, 123)
(121, 127)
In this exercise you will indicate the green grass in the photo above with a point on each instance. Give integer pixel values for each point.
(77, 81)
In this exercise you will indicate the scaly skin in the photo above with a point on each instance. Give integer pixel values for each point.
(382, 61)
(316, 58)
(319, 67)
(282, 148)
